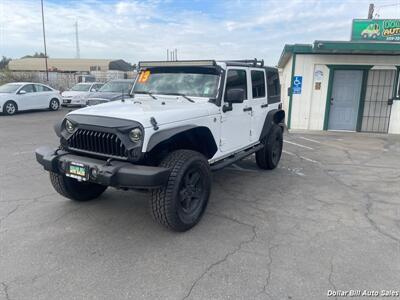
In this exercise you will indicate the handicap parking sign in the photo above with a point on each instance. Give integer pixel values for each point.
(297, 84)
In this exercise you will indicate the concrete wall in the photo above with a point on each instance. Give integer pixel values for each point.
(308, 108)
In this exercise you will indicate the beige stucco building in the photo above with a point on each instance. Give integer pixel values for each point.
(351, 86)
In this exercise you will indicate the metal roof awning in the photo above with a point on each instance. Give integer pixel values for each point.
(339, 47)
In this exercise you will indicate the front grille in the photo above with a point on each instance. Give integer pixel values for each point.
(103, 143)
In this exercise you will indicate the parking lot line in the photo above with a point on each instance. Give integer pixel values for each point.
(309, 159)
(299, 145)
(310, 140)
(289, 153)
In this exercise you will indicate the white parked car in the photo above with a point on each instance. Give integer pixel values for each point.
(76, 96)
(18, 96)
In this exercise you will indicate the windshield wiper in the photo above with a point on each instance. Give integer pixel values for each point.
(146, 93)
(180, 94)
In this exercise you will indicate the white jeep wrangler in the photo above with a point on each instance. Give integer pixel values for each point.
(182, 120)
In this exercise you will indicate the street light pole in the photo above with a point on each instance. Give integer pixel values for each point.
(44, 42)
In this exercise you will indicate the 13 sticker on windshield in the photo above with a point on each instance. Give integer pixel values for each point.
(144, 76)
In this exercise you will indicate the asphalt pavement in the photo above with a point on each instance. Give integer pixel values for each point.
(326, 219)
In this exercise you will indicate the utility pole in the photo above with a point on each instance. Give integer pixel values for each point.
(44, 42)
(78, 54)
(371, 11)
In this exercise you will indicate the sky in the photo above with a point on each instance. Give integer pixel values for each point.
(199, 29)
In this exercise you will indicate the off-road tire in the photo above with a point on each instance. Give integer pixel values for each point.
(75, 190)
(6, 109)
(53, 106)
(268, 157)
(168, 203)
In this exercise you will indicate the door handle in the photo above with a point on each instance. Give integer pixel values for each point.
(264, 105)
(247, 109)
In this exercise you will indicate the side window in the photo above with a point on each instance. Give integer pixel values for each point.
(273, 87)
(397, 91)
(236, 79)
(42, 88)
(258, 84)
(29, 88)
(96, 87)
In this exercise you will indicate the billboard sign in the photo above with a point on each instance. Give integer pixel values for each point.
(378, 30)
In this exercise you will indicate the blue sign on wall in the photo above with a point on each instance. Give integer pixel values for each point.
(297, 84)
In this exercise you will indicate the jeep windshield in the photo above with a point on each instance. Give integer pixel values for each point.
(184, 81)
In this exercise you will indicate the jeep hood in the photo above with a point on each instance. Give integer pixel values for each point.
(142, 110)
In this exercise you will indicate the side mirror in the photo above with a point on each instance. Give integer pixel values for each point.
(235, 95)
(22, 92)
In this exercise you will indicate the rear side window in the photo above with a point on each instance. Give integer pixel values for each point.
(236, 79)
(258, 84)
(273, 87)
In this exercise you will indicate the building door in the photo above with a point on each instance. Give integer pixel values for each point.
(376, 113)
(345, 98)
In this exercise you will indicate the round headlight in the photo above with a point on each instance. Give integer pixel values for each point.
(135, 135)
(69, 126)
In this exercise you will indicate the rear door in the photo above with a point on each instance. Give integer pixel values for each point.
(43, 96)
(259, 102)
(235, 124)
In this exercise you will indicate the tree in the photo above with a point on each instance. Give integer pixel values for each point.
(36, 55)
(4, 62)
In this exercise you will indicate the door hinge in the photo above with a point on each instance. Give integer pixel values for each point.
(251, 133)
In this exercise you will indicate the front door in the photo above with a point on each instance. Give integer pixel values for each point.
(235, 124)
(345, 98)
(26, 99)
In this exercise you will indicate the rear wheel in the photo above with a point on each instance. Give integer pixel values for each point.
(268, 157)
(10, 108)
(75, 190)
(180, 204)
(54, 104)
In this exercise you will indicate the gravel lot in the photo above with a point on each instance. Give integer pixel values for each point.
(327, 219)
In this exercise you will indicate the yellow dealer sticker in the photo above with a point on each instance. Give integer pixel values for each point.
(144, 76)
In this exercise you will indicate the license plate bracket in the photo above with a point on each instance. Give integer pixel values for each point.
(77, 171)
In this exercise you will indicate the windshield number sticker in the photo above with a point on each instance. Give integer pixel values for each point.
(144, 76)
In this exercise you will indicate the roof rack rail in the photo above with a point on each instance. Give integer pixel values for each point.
(253, 62)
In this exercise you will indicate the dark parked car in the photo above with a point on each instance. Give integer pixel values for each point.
(111, 91)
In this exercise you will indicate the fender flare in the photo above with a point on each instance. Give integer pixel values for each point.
(164, 135)
(274, 117)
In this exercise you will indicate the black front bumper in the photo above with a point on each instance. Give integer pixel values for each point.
(114, 173)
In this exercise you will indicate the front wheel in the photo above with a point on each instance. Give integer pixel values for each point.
(54, 104)
(269, 156)
(75, 190)
(180, 204)
(10, 108)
